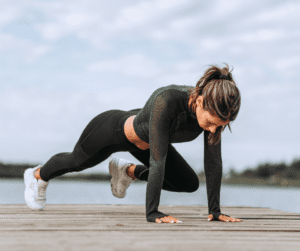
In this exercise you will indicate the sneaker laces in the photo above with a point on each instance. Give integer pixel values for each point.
(41, 191)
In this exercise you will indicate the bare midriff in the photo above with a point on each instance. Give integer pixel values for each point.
(132, 136)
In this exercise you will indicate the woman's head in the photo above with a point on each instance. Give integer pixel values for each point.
(215, 101)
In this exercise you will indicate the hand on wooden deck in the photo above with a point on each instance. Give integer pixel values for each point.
(167, 219)
(224, 218)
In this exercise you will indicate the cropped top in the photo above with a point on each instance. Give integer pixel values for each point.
(165, 119)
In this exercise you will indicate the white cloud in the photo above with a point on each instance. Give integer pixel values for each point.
(285, 11)
(288, 66)
(99, 23)
(76, 19)
(51, 31)
(262, 35)
(228, 7)
(13, 47)
(35, 121)
(137, 66)
(9, 11)
(144, 45)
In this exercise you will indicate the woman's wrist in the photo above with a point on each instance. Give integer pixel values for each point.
(151, 217)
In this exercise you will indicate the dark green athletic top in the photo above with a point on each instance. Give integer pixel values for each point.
(165, 119)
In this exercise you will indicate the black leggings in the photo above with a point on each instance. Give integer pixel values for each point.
(103, 136)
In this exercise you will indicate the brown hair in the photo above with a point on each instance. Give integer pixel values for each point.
(221, 97)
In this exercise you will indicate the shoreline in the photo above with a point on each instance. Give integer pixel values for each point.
(242, 182)
(16, 171)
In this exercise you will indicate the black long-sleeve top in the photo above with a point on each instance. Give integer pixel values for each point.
(165, 119)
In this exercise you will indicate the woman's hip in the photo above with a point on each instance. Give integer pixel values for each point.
(104, 130)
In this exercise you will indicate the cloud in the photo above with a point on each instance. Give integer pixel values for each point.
(13, 49)
(9, 11)
(99, 24)
(99, 55)
(35, 121)
(261, 35)
(56, 110)
(286, 11)
(137, 66)
(288, 66)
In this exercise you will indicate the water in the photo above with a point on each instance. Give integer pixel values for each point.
(78, 192)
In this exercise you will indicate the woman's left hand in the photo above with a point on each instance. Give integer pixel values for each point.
(167, 219)
(224, 218)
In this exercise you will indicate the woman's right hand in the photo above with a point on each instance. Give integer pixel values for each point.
(224, 218)
(167, 219)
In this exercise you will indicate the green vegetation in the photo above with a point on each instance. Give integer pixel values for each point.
(276, 174)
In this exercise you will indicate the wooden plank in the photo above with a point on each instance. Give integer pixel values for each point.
(124, 227)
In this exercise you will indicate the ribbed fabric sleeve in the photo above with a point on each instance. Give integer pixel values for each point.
(213, 174)
(160, 119)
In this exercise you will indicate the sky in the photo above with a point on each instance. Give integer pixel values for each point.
(64, 62)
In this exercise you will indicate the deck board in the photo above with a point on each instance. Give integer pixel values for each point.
(124, 227)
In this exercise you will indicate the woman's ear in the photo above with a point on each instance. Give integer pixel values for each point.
(199, 101)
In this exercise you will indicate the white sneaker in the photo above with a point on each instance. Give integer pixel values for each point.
(35, 190)
(120, 181)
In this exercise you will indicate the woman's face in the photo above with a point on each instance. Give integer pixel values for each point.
(205, 119)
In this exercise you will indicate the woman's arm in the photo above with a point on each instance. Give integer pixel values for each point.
(160, 119)
(213, 173)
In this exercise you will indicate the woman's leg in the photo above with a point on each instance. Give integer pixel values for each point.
(179, 176)
(96, 143)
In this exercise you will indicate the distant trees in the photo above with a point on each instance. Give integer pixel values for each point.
(266, 170)
(13, 170)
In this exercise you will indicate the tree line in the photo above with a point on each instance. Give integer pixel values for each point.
(262, 171)
(267, 170)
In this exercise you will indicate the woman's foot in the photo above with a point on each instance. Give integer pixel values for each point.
(120, 180)
(35, 189)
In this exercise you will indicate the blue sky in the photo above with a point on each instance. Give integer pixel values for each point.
(64, 62)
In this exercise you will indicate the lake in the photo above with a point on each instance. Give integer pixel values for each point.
(87, 192)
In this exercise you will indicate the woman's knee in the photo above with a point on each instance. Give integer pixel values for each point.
(190, 183)
(189, 186)
(193, 185)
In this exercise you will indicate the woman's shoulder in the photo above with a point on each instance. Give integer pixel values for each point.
(171, 98)
(182, 88)
(171, 92)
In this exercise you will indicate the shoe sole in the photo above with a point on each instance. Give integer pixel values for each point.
(27, 177)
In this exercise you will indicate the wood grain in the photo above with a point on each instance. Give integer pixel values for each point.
(124, 227)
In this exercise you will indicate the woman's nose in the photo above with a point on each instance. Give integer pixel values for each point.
(213, 129)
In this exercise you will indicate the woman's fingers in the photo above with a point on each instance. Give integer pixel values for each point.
(210, 217)
(158, 220)
(224, 218)
(228, 219)
(237, 220)
(167, 219)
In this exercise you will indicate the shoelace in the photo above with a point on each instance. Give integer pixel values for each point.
(41, 192)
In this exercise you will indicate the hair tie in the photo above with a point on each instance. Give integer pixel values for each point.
(224, 77)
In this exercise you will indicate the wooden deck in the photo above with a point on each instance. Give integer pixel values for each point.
(124, 227)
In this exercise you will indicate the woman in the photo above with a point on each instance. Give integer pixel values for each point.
(172, 114)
